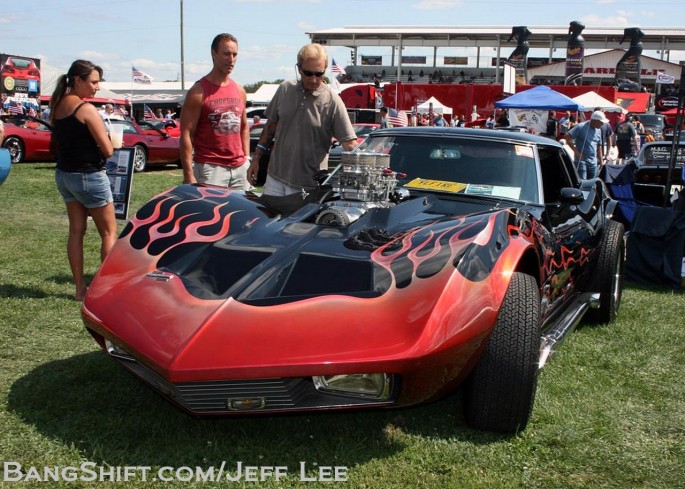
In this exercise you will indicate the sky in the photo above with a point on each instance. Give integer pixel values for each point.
(119, 34)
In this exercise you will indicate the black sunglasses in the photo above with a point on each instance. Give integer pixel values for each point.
(317, 74)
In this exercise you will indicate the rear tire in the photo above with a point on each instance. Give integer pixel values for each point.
(500, 392)
(139, 158)
(16, 149)
(608, 273)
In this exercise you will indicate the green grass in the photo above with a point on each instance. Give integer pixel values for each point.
(610, 409)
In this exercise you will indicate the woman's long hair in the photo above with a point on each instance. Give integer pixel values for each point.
(79, 68)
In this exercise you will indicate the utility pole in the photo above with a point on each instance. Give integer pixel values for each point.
(183, 70)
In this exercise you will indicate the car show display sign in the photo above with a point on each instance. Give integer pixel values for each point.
(19, 83)
(119, 168)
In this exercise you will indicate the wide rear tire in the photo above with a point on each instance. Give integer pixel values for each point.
(500, 392)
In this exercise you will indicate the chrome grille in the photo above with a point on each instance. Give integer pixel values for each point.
(277, 394)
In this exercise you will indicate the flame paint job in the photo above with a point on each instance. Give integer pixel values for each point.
(446, 278)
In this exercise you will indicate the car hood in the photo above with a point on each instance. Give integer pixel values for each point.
(202, 273)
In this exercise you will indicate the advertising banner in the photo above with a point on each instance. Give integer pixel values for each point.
(575, 52)
(415, 60)
(456, 60)
(372, 60)
(19, 83)
(628, 67)
(518, 57)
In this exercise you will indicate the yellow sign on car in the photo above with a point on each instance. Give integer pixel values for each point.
(438, 185)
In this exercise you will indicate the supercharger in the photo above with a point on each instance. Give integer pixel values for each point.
(363, 181)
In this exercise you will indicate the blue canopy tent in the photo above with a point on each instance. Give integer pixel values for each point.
(539, 98)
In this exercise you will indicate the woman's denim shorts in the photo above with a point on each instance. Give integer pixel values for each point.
(93, 190)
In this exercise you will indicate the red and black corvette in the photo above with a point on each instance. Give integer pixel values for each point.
(430, 258)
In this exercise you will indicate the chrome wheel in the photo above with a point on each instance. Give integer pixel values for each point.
(139, 158)
(16, 149)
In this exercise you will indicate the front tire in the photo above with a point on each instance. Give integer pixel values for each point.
(500, 392)
(608, 273)
(16, 149)
(139, 158)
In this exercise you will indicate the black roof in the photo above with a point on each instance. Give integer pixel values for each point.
(490, 134)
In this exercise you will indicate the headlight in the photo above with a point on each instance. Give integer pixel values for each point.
(375, 386)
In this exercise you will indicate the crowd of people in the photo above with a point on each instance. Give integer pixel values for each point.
(301, 119)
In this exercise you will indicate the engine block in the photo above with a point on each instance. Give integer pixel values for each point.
(363, 181)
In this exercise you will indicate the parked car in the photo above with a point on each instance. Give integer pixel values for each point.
(28, 138)
(170, 126)
(655, 122)
(253, 111)
(432, 258)
(152, 145)
(652, 167)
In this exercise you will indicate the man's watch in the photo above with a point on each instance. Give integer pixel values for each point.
(263, 148)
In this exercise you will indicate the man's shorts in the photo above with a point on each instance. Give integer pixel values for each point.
(625, 149)
(223, 176)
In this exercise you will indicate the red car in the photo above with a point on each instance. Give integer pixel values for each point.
(153, 146)
(170, 126)
(20, 75)
(430, 258)
(28, 139)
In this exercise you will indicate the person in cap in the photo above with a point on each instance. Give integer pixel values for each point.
(585, 140)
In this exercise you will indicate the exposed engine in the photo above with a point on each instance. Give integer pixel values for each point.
(363, 181)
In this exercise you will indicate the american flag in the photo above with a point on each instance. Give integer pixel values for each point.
(336, 68)
(15, 108)
(148, 114)
(397, 118)
(119, 111)
(140, 77)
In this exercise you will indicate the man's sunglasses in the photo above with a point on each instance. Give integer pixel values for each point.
(317, 74)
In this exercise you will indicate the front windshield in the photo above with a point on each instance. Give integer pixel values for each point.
(462, 165)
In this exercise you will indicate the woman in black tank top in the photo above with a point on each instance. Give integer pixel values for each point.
(82, 149)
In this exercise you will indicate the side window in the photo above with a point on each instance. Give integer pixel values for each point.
(554, 174)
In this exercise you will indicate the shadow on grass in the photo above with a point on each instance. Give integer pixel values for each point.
(91, 403)
(14, 291)
(8, 291)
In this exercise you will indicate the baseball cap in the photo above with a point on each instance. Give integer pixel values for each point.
(598, 115)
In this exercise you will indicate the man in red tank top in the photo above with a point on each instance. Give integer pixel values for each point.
(215, 137)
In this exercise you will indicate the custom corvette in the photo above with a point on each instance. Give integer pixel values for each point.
(430, 258)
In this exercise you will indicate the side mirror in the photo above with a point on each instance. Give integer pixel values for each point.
(571, 195)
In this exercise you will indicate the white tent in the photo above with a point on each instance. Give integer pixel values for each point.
(264, 94)
(438, 107)
(590, 100)
(48, 81)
